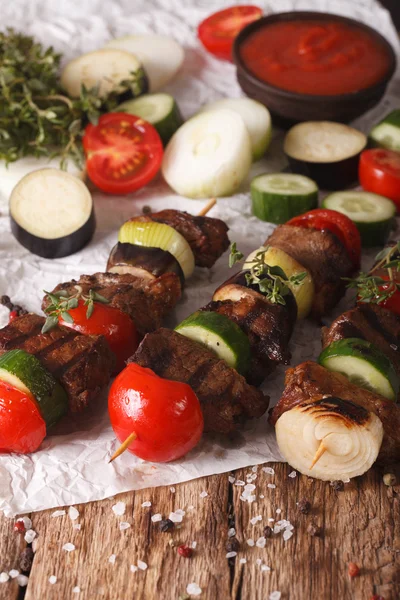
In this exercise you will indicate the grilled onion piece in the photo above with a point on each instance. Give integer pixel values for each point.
(329, 438)
(147, 263)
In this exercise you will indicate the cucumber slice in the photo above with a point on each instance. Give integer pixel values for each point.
(221, 335)
(387, 133)
(256, 117)
(277, 197)
(372, 214)
(159, 235)
(25, 372)
(160, 110)
(363, 364)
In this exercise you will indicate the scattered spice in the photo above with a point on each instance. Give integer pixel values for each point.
(232, 545)
(354, 570)
(166, 525)
(26, 560)
(314, 530)
(304, 506)
(185, 551)
(337, 485)
(15, 309)
(19, 527)
(267, 532)
(146, 209)
(389, 479)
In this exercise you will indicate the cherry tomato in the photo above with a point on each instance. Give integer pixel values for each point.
(123, 153)
(165, 415)
(217, 33)
(116, 326)
(340, 225)
(22, 427)
(379, 172)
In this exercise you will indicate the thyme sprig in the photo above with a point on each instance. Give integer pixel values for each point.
(272, 281)
(36, 117)
(373, 288)
(61, 302)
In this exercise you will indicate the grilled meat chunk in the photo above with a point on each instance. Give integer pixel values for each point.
(310, 381)
(82, 363)
(369, 322)
(206, 236)
(225, 397)
(323, 255)
(146, 302)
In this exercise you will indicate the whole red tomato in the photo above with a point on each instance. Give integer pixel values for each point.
(379, 172)
(165, 415)
(116, 326)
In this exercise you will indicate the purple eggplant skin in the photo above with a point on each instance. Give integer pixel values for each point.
(154, 260)
(57, 247)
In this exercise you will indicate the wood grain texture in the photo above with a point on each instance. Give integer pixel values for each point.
(11, 546)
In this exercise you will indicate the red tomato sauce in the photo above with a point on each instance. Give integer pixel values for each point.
(315, 57)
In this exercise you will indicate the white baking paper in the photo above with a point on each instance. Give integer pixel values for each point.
(71, 467)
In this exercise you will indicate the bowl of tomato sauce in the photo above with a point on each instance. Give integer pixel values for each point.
(307, 65)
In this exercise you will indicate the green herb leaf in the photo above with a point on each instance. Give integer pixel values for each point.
(49, 323)
(90, 309)
(235, 256)
(66, 317)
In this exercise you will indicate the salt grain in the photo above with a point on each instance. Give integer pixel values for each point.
(22, 580)
(258, 562)
(77, 526)
(13, 573)
(4, 577)
(250, 542)
(254, 469)
(231, 532)
(203, 494)
(73, 513)
(250, 487)
(68, 547)
(262, 496)
(255, 520)
(156, 518)
(193, 545)
(172, 490)
(133, 568)
(179, 511)
(76, 589)
(141, 565)
(29, 536)
(278, 511)
(268, 470)
(248, 497)
(272, 486)
(270, 520)
(119, 509)
(175, 518)
(231, 554)
(190, 507)
(146, 504)
(239, 482)
(243, 561)
(124, 525)
(287, 535)
(193, 589)
(26, 521)
(231, 479)
(293, 474)
(265, 568)
(58, 513)
(112, 559)
(260, 543)
(346, 480)
(52, 579)
(274, 596)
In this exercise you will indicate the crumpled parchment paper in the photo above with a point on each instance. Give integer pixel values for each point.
(71, 466)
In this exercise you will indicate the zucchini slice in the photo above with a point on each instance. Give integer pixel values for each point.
(159, 235)
(25, 372)
(277, 197)
(52, 213)
(363, 364)
(326, 152)
(372, 214)
(160, 110)
(221, 335)
(386, 134)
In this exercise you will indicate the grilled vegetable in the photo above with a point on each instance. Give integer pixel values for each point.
(329, 438)
(325, 151)
(147, 263)
(255, 116)
(158, 235)
(52, 213)
(303, 292)
(363, 364)
(372, 214)
(210, 155)
(379, 172)
(277, 197)
(160, 110)
(221, 335)
(387, 133)
(26, 373)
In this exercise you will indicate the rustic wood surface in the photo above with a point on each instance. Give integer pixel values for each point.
(359, 524)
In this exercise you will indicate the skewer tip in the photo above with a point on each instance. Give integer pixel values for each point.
(207, 207)
(320, 451)
(123, 446)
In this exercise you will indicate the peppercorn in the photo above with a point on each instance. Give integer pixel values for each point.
(304, 506)
(314, 530)
(232, 545)
(354, 570)
(185, 551)
(19, 527)
(26, 560)
(267, 531)
(5, 300)
(337, 485)
(389, 479)
(146, 210)
(166, 525)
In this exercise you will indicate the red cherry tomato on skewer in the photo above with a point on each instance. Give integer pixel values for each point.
(340, 225)
(379, 172)
(165, 415)
(217, 33)
(123, 153)
(116, 326)
(22, 428)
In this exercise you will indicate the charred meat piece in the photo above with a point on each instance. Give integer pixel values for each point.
(310, 382)
(323, 255)
(225, 397)
(82, 363)
(372, 323)
(146, 302)
(206, 236)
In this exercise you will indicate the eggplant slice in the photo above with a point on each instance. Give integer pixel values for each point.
(148, 263)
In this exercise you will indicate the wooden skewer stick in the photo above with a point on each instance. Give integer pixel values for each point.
(123, 446)
(207, 207)
(321, 449)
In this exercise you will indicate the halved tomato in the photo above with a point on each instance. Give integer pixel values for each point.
(379, 172)
(340, 225)
(123, 153)
(218, 31)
